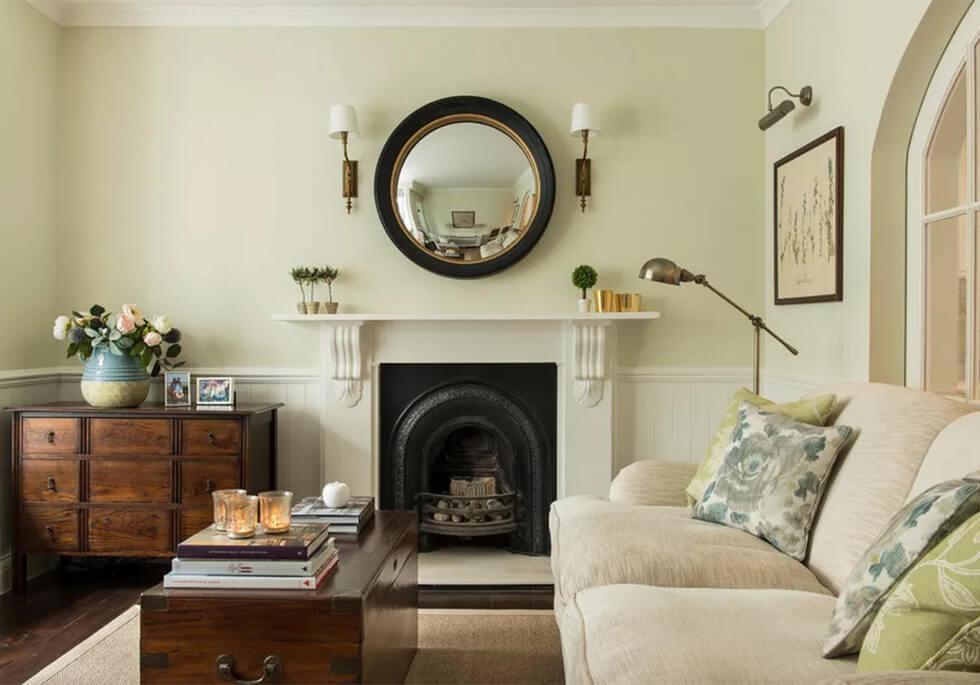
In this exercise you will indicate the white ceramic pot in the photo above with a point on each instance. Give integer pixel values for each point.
(336, 494)
(585, 305)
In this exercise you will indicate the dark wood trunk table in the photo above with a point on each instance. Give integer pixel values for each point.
(361, 625)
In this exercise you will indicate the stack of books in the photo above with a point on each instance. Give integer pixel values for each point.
(347, 520)
(298, 560)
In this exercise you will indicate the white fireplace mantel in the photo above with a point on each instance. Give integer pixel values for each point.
(341, 335)
(354, 348)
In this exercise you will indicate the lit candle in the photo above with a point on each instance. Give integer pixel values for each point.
(275, 510)
(243, 515)
(220, 499)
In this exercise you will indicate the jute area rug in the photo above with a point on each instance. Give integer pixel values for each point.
(454, 647)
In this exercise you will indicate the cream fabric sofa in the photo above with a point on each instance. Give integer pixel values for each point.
(646, 594)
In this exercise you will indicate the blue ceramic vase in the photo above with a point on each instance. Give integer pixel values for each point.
(112, 380)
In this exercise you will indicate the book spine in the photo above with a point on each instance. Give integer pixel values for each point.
(258, 552)
(232, 567)
(172, 581)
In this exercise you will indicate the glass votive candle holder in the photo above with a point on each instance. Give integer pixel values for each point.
(275, 510)
(219, 498)
(242, 516)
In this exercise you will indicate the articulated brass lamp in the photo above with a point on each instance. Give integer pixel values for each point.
(660, 270)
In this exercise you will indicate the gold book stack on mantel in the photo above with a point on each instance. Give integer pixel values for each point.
(607, 301)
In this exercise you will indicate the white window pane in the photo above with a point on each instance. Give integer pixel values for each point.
(946, 177)
(946, 288)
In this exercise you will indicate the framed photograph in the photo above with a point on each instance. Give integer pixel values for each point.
(808, 222)
(465, 219)
(177, 389)
(215, 391)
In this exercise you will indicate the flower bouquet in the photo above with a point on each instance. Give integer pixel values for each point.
(120, 352)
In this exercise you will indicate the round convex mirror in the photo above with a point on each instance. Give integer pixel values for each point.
(465, 187)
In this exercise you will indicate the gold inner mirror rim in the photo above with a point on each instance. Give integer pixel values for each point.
(462, 119)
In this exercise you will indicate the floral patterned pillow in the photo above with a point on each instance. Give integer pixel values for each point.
(908, 537)
(772, 477)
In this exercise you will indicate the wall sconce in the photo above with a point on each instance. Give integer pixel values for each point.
(343, 122)
(586, 124)
(805, 96)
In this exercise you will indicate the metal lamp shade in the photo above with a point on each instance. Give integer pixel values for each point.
(661, 270)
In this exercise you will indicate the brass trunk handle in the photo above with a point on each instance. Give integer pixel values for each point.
(271, 670)
(49, 531)
(51, 436)
(51, 484)
(209, 486)
(210, 438)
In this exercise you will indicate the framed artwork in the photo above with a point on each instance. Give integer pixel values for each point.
(216, 390)
(463, 219)
(177, 389)
(808, 222)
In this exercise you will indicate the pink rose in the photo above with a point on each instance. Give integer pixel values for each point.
(133, 311)
(125, 323)
(152, 339)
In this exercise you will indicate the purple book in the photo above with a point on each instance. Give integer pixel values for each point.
(301, 542)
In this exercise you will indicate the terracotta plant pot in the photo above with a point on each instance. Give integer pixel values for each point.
(312, 307)
(328, 308)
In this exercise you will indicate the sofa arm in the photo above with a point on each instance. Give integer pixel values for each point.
(655, 483)
(904, 678)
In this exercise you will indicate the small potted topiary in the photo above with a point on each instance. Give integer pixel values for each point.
(301, 276)
(328, 275)
(583, 278)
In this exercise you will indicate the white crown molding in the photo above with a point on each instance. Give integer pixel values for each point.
(420, 13)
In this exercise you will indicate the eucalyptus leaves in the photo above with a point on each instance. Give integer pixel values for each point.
(155, 343)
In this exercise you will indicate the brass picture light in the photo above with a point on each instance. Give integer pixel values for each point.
(660, 270)
(775, 114)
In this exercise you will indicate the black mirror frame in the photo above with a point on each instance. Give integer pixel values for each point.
(463, 105)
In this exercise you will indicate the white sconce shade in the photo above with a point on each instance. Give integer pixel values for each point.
(584, 118)
(343, 119)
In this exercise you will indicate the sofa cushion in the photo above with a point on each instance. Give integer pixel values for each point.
(815, 411)
(636, 634)
(771, 479)
(895, 427)
(953, 454)
(909, 536)
(596, 542)
(937, 602)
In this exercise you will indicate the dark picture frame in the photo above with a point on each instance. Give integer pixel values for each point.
(464, 108)
(808, 222)
(463, 218)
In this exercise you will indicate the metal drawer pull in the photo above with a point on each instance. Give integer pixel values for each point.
(51, 437)
(209, 486)
(271, 670)
(210, 438)
(51, 485)
(49, 531)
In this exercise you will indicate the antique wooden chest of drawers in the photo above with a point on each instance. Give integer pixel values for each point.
(129, 482)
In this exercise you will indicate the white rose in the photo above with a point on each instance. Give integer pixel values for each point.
(162, 324)
(134, 312)
(61, 327)
(152, 339)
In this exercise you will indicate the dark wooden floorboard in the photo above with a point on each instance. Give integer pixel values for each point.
(64, 607)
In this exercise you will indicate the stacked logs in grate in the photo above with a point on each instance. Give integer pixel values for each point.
(473, 507)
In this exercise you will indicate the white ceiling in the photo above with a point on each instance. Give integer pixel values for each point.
(506, 13)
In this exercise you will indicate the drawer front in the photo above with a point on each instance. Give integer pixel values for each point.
(131, 436)
(49, 436)
(194, 520)
(128, 531)
(130, 480)
(211, 437)
(198, 479)
(49, 480)
(49, 529)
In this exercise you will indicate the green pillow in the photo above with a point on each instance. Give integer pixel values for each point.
(932, 619)
(815, 411)
(772, 477)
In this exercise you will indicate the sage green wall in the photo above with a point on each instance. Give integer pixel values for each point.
(28, 91)
(196, 169)
(849, 52)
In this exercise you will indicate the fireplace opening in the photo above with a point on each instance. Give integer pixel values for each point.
(470, 448)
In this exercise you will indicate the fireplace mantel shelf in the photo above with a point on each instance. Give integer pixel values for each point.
(341, 336)
(574, 317)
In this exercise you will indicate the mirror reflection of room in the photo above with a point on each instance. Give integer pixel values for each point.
(466, 192)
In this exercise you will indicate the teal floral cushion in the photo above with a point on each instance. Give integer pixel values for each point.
(772, 477)
(909, 536)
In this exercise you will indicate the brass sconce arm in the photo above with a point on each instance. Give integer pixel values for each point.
(805, 96)
(583, 171)
(350, 174)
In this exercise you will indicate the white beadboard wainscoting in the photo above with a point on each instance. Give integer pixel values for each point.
(659, 413)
